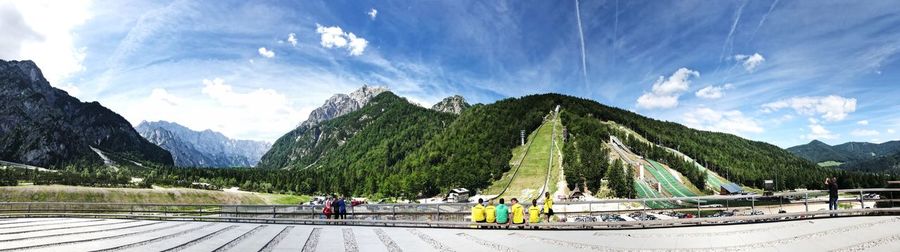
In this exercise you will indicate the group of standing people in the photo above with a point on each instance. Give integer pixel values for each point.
(831, 184)
(503, 215)
(335, 208)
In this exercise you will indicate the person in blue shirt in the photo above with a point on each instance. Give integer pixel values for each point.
(342, 208)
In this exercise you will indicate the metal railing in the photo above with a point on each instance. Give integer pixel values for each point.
(805, 204)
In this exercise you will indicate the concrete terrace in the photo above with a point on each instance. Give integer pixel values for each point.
(869, 233)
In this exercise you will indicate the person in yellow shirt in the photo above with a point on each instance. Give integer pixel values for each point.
(478, 212)
(518, 213)
(490, 213)
(534, 213)
(548, 206)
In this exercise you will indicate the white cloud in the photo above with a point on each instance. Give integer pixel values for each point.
(266, 52)
(161, 95)
(891, 131)
(335, 37)
(864, 133)
(732, 121)
(863, 122)
(750, 62)
(260, 114)
(42, 31)
(830, 108)
(818, 132)
(70, 88)
(292, 38)
(666, 91)
(652, 101)
(713, 92)
(372, 13)
(780, 120)
(259, 98)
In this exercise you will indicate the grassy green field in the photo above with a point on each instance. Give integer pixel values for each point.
(830, 164)
(713, 180)
(669, 183)
(59, 193)
(646, 192)
(532, 173)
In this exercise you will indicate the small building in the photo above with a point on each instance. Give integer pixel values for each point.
(730, 189)
(615, 140)
(768, 187)
(576, 194)
(458, 195)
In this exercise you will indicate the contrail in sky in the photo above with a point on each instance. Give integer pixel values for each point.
(729, 40)
(615, 33)
(764, 17)
(581, 34)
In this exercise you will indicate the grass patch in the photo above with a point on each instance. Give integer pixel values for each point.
(830, 164)
(284, 199)
(532, 173)
(60, 193)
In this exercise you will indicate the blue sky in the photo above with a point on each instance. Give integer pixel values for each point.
(783, 72)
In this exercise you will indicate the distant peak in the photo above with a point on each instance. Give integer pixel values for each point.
(341, 104)
(452, 104)
(817, 142)
(366, 93)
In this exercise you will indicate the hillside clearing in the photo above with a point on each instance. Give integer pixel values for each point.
(60, 193)
(532, 174)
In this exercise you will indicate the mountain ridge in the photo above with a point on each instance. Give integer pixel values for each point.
(475, 148)
(45, 126)
(817, 151)
(206, 148)
(342, 104)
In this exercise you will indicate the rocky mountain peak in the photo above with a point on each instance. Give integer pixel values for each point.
(366, 93)
(42, 125)
(453, 104)
(27, 68)
(342, 104)
(205, 148)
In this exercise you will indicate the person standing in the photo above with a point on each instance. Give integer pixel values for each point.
(327, 210)
(342, 208)
(534, 213)
(334, 206)
(833, 193)
(478, 212)
(548, 206)
(490, 213)
(518, 213)
(502, 214)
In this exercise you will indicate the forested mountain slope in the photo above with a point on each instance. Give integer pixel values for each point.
(889, 164)
(356, 151)
(394, 148)
(817, 151)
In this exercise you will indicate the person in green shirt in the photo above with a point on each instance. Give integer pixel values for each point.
(502, 213)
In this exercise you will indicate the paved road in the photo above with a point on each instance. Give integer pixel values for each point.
(863, 233)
